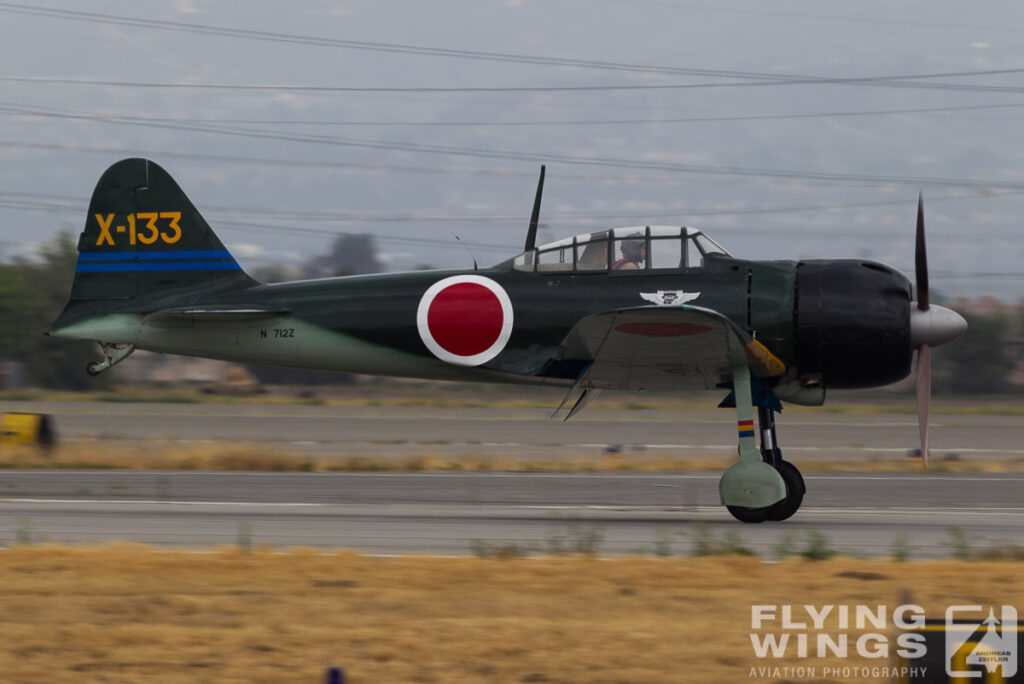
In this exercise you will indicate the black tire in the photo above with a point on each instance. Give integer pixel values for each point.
(90, 368)
(751, 515)
(795, 490)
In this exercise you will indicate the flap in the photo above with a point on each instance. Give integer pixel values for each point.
(662, 348)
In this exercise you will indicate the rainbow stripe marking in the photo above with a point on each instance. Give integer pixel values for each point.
(746, 428)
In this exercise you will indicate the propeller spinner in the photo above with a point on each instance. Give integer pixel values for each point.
(930, 326)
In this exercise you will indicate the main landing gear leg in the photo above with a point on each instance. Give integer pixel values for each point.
(752, 487)
(772, 454)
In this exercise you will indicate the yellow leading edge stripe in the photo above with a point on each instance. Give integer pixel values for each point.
(764, 359)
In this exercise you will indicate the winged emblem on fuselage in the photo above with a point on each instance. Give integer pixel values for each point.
(669, 297)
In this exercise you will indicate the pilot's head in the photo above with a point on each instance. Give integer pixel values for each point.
(634, 249)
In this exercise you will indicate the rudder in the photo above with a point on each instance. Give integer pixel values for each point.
(143, 238)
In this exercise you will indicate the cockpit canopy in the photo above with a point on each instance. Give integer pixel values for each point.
(646, 247)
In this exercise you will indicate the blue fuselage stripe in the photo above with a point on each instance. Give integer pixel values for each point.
(173, 266)
(168, 254)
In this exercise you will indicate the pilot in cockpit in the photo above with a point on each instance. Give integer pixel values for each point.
(634, 253)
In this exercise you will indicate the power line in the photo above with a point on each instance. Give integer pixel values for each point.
(746, 77)
(978, 275)
(55, 80)
(448, 169)
(578, 122)
(844, 18)
(916, 81)
(272, 161)
(782, 79)
(447, 150)
(9, 200)
(569, 217)
(66, 203)
(271, 36)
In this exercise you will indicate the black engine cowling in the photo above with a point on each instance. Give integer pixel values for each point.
(852, 324)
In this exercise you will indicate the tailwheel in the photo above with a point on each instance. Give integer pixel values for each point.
(782, 510)
(113, 354)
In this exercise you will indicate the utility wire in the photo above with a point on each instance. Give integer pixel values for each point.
(580, 122)
(842, 18)
(223, 216)
(271, 36)
(448, 150)
(758, 78)
(887, 81)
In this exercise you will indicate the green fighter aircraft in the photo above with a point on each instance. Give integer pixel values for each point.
(639, 308)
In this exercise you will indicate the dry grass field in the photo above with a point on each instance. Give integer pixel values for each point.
(243, 456)
(132, 614)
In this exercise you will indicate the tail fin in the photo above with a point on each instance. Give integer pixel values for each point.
(143, 238)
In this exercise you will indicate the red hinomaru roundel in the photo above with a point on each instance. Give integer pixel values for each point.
(465, 320)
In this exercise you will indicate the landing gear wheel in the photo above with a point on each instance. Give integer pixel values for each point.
(750, 515)
(113, 354)
(795, 490)
(782, 510)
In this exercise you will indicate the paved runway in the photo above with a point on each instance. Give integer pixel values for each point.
(401, 431)
(446, 513)
(863, 514)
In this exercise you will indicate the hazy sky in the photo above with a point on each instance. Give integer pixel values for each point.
(784, 128)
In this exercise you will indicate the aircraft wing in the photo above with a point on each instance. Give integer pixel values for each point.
(661, 348)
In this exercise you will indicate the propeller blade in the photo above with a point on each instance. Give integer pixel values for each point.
(921, 258)
(924, 396)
